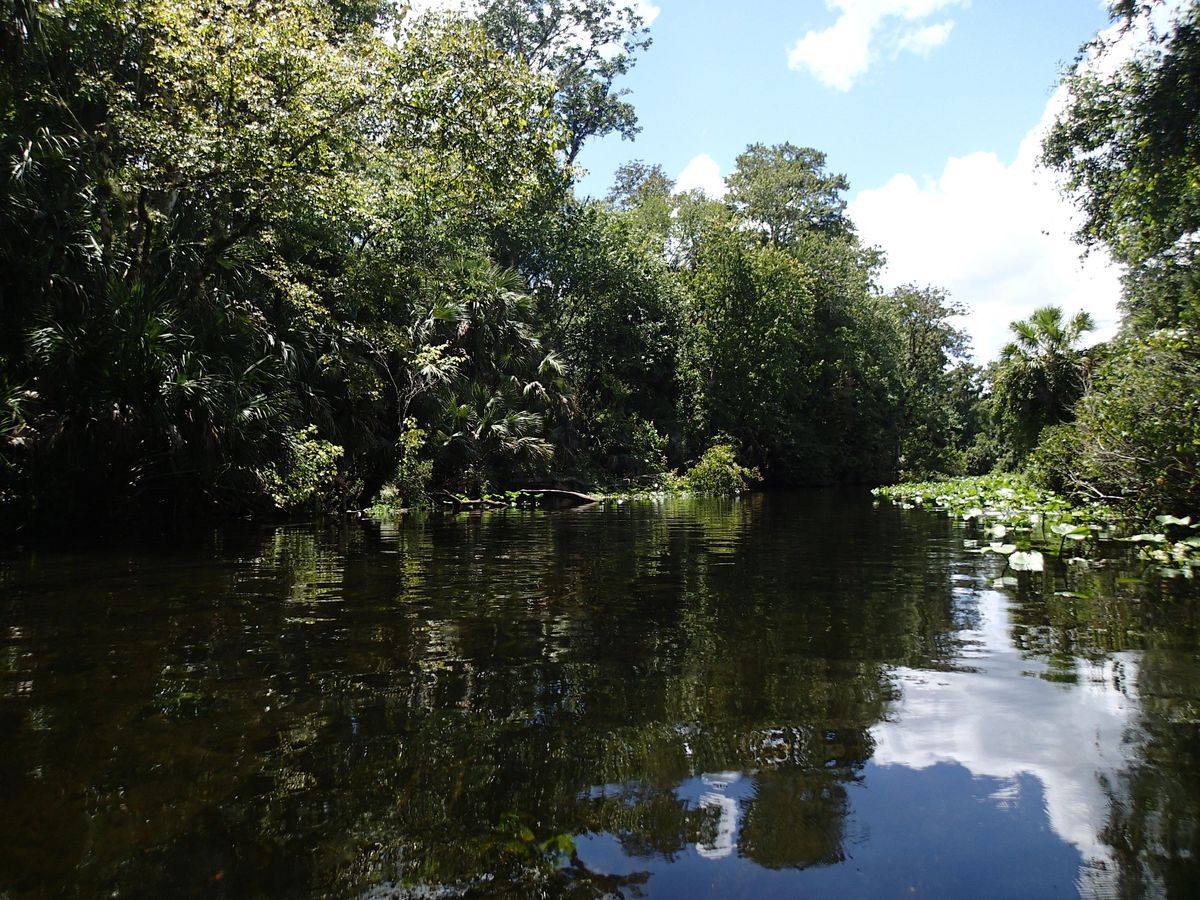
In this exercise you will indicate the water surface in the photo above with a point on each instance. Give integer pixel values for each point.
(784, 695)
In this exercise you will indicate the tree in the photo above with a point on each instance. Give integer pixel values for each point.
(931, 429)
(582, 46)
(646, 194)
(1040, 375)
(784, 190)
(1136, 437)
(791, 354)
(617, 314)
(1128, 145)
(218, 221)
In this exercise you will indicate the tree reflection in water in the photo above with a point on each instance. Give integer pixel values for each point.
(648, 699)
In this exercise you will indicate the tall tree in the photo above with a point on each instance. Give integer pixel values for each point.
(931, 427)
(784, 190)
(583, 47)
(1128, 145)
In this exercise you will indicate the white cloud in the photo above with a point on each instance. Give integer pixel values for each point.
(648, 11)
(923, 41)
(999, 722)
(703, 173)
(996, 236)
(840, 54)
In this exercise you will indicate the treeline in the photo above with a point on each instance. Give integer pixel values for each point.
(283, 255)
(302, 254)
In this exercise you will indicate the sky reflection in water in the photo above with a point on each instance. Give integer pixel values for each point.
(785, 695)
(986, 782)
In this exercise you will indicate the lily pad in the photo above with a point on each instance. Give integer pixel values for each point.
(1173, 520)
(1027, 561)
(1147, 539)
(1073, 532)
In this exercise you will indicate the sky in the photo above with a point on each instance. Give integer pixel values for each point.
(933, 109)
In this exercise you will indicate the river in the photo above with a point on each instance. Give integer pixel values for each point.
(803, 694)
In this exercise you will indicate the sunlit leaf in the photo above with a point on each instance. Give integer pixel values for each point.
(1026, 561)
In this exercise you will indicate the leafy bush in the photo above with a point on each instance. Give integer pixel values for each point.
(308, 477)
(717, 472)
(628, 443)
(410, 485)
(1136, 438)
(1140, 431)
(1052, 460)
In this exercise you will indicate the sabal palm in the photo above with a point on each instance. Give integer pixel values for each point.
(1040, 375)
(1044, 334)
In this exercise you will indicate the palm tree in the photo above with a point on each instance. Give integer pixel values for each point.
(1040, 375)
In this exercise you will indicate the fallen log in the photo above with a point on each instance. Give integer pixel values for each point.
(557, 498)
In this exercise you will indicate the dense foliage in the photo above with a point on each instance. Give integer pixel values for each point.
(293, 256)
(1128, 145)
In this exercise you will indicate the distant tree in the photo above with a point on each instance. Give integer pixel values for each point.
(635, 182)
(791, 354)
(646, 193)
(693, 214)
(784, 190)
(932, 424)
(617, 314)
(1040, 375)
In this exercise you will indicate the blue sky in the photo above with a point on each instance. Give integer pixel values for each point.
(717, 78)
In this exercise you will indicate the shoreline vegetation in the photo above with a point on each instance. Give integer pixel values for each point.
(310, 256)
(1023, 523)
(716, 473)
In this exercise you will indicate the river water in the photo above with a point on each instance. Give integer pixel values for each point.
(805, 695)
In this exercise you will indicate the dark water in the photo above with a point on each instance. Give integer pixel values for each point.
(781, 696)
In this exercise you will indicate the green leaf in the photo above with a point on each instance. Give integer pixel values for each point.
(1066, 529)
(1172, 520)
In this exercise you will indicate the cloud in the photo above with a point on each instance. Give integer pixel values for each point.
(1001, 721)
(996, 236)
(842, 53)
(704, 174)
(924, 41)
(648, 11)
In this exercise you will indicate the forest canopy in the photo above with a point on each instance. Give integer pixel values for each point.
(302, 254)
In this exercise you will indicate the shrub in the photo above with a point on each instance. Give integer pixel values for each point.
(409, 487)
(308, 475)
(1054, 459)
(717, 472)
(627, 443)
(1138, 431)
